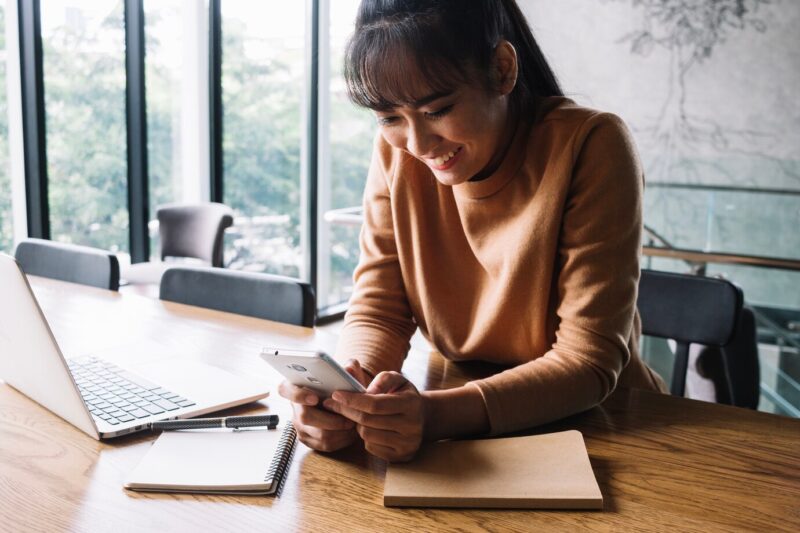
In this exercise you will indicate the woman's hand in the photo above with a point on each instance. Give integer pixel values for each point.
(318, 429)
(390, 417)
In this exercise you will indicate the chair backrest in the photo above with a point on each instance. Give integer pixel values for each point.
(688, 309)
(737, 382)
(194, 230)
(259, 295)
(69, 262)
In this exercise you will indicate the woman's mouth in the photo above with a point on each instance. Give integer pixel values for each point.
(444, 162)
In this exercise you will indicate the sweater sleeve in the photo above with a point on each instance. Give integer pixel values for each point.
(596, 280)
(378, 324)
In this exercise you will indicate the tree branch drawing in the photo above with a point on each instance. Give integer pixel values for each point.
(692, 32)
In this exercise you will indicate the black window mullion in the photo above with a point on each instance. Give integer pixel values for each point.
(313, 146)
(33, 119)
(136, 118)
(215, 100)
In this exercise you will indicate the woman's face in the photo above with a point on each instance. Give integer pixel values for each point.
(458, 135)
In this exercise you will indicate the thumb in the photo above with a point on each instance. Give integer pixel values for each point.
(387, 382)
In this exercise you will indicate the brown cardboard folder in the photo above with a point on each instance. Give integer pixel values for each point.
(549, 471)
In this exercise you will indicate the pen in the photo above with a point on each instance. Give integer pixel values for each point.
(235, 422)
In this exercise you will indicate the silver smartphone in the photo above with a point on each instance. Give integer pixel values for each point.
(311, 369)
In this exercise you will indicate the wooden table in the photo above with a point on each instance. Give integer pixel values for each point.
(663, 463)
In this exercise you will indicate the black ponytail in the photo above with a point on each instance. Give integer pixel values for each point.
(534, 71)
(403, 48)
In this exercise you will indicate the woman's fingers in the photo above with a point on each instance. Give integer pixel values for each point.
(389, 422)
(355, 369)
(387, 382)
(314, 417)
(382, 437)
(321, 430)
(298, 395)
(376, 404)
(388, 453)
(330, 441)
(316, 428)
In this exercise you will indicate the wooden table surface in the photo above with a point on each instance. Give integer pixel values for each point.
(662, 463)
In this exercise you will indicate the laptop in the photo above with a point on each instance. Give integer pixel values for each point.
(98, 397)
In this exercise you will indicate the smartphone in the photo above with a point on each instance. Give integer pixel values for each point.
(311, 369)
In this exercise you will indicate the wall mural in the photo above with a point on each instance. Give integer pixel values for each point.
(691, 32)
(709, 89)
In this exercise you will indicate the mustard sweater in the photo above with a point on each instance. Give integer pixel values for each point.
(535, 267)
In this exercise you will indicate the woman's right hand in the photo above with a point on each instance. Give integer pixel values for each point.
(317, 427)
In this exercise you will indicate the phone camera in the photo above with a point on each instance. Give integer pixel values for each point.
(314, 380)
(299, 368)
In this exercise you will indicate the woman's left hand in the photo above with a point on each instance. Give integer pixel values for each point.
(390, 417)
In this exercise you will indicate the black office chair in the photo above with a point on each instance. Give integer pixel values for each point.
(194, 230)
(266, 296)
(698, 310)
(69, 262)
(734, 369)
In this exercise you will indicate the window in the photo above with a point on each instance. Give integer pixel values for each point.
(83, 45)
(176, 63)
(346, 134)
(6, 229)
(263, 94)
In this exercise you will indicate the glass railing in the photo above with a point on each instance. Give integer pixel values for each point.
(751, 237)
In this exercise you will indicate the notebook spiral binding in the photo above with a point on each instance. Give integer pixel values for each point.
(283, 456)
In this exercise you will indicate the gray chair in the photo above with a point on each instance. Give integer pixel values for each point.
(266, 296)
(194, 230)
(699, 310)
(69, 262)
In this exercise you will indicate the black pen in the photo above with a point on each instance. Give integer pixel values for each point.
(234, 422)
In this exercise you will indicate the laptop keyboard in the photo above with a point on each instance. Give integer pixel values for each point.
(116, 396)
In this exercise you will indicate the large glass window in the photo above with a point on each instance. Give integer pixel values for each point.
(346, 134)
(84, 85)
(263, 90)
(176, 62)
(6, 229)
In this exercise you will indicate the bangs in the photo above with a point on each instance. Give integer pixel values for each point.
(393, 64)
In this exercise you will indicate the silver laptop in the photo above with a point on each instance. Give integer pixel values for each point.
(96, 396)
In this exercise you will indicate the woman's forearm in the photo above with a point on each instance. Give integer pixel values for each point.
(457, 412)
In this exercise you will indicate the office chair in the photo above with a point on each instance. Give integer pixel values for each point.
(69, 262)
(194, 230)
(699, 310)
(259, 295)
(734, 369)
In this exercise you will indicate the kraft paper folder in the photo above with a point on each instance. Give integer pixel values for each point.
(216, 462)
(549, 471)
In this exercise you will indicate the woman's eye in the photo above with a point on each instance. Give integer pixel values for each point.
(386, 121)
(440, 113)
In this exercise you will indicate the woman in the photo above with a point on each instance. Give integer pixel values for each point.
(501, 219)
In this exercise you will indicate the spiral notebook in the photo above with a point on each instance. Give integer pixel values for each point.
(252, 461)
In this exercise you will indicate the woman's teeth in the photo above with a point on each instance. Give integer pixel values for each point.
(442, 159)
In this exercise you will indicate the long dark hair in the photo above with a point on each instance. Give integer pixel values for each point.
(402, 47)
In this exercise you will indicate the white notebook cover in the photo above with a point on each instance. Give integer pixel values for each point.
(249, 461)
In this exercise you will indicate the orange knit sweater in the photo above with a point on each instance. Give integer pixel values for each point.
(535, 267)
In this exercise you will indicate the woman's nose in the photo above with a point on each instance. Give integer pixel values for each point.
(421, 140)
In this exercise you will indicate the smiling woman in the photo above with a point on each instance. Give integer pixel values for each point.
(501, 219)
(440, 129)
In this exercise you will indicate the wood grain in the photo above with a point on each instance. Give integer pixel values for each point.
(662, 463)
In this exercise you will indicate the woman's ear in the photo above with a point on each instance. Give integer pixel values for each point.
(505, 65)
